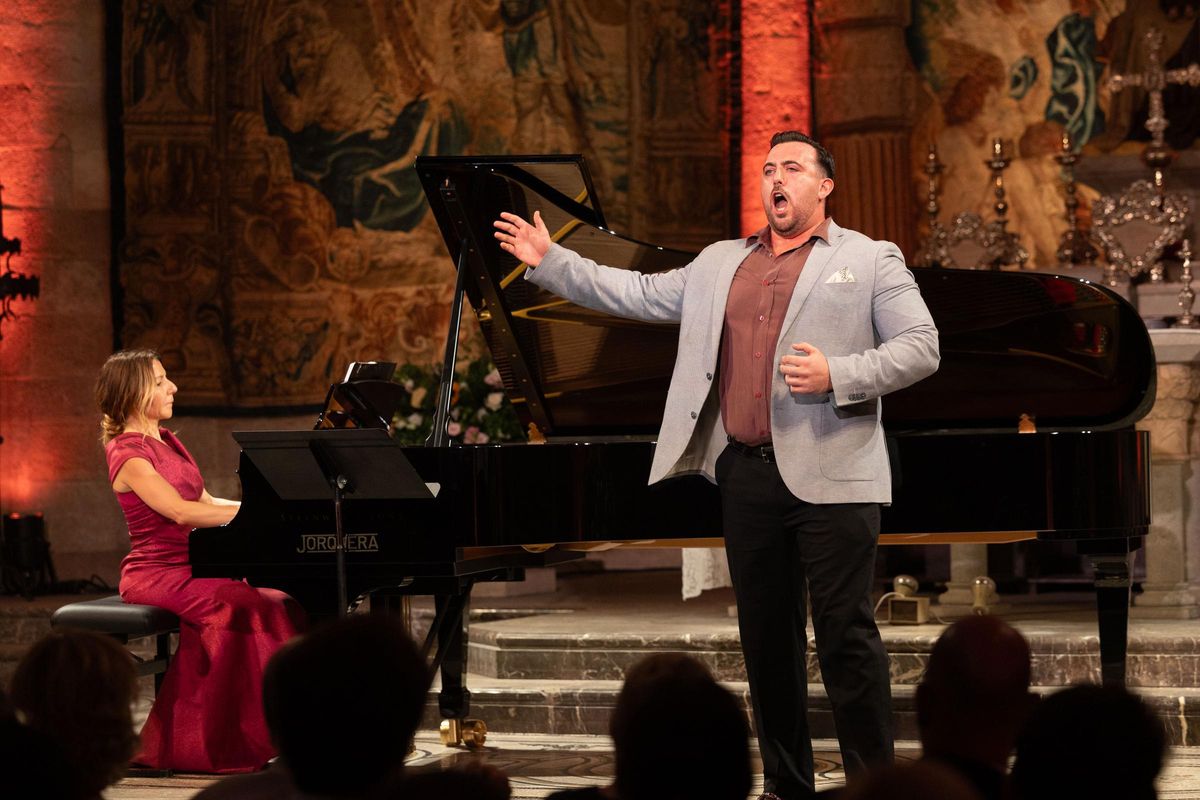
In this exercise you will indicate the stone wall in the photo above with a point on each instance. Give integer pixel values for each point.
(1172, 585)
(54, 167)
(55, 172)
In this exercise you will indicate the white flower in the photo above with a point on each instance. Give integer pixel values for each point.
(481, 413)
(493, 401)
(493, 379)
(408, 385)
(417, 396)
(482, 438)
(453, 428)
(415, 420)
(454, 412)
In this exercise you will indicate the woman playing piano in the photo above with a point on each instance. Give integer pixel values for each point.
(208, 716)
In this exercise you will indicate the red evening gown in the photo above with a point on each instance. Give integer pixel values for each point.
(208, 716)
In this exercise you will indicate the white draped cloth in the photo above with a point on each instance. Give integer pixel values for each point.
(704, 568)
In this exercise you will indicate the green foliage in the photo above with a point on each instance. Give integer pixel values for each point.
(479, 410)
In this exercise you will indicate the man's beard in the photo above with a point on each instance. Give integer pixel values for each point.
(789, 226)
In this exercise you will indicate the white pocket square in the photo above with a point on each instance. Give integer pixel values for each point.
(841, 276)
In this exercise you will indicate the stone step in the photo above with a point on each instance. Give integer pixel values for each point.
(562, 707)
(578, 647)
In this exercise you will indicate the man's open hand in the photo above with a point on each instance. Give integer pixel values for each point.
(807, 372)
(525, 241)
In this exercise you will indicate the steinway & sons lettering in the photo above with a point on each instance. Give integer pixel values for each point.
(327, 543)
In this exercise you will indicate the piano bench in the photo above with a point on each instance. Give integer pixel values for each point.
(125, 622)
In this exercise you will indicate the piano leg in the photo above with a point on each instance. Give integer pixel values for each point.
(1112, 611)
(450, 622)
(454, 700)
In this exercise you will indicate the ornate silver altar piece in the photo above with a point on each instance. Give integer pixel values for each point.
(1135, 227)
(1154, 79)
(967, 245)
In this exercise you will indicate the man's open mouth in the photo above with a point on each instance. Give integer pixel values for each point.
(779, 200)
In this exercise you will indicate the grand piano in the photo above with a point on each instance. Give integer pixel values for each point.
(1026, 432)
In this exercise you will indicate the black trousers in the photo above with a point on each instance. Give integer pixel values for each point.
(779, 549)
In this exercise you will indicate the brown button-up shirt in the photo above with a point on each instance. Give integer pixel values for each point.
(758, 299)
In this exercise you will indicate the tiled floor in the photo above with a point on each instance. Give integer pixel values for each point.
(538, 764)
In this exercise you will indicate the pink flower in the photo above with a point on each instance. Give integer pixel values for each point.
(453, 428)
(469, 436)
(493, 379)
(482, 438)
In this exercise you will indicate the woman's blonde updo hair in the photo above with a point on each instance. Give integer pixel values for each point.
(124, 389)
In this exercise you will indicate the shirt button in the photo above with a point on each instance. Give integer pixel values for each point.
(761, 317)
(766, 283)
(693, 415)
(758, 395)
(758, 355)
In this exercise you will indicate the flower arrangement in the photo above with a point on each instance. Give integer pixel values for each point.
(480, 412)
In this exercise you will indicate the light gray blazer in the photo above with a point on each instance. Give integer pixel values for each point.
(855, 301)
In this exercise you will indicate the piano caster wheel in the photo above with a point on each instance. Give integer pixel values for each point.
(471, 733)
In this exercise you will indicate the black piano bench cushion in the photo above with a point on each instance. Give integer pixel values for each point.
(115, 617)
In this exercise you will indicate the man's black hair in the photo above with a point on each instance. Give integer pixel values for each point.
(824, 157)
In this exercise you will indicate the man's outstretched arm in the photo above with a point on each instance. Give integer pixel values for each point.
(657, 297)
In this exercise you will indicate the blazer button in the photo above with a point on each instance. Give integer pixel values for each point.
(693, 415)
(708, 376)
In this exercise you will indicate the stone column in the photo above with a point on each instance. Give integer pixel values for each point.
(864, 86)
(1172, 586)
(776, 89)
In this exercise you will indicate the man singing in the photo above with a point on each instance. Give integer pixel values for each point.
(801, 328)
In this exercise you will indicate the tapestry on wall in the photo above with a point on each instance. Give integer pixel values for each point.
(1021, 72)
(275, 228)
(1028, 73)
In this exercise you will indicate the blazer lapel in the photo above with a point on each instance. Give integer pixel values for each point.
(723, 282)
(818, 259)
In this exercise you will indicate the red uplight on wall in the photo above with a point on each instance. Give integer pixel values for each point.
(52, 80)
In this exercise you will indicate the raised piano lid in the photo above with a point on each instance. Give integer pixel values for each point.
(1071, 354)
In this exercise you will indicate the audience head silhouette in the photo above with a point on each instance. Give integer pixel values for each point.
(77, 688)
(975, 696)
(678, 734)
(343, 703)
(1089, 741)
